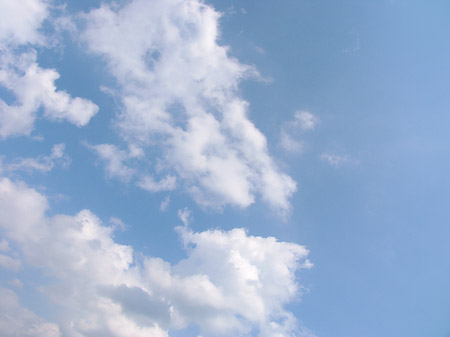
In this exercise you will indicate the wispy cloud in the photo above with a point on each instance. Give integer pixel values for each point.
(305, 120)
(115, 160)
(148, 183)
(335, 160)
(293, 130)
(164, 204)
(42, 163)
(10, 263)
(16, 320)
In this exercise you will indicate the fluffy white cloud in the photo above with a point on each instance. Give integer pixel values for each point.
(20, 21)
(179, 90)
(18, 321)
(40, 163)
(33, 87)
(230, 283)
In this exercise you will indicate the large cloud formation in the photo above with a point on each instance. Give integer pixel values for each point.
(179, 90)
(31, 86)
(230, 283)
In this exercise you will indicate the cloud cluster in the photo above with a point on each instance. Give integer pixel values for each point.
(230, 283)
(179, 101)
(179, 90)
(31, 86)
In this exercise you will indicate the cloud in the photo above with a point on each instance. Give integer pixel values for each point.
(164, 204)
(335, 160)
(230, 283)
(4, 245)
(41, 163)
(178, 90)
(10, 263)
(166, 184)
(20, 22)
(305, 120)
(16, 283)
(118, 164)
(185, 216)
(18, 321)
(31, 86)
(289, 143)
(114, 160)
(292, 130)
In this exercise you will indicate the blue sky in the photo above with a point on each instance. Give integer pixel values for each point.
(224, 168)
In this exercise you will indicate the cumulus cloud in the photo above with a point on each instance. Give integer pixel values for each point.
(41, 163)
(20, 22)
(179, 90)
(31, 86)
(230, 283)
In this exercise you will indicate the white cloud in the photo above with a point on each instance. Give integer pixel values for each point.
(41, 163)
(166, 184)
(185, 216)
(292, 130)
(117, 224)
(114, 160)
(305, 120)
(20, 21)
(164, 204)
(179, 91)
(33, 87)
(289, 143)
(119, 164)
(230, 283)
(18, 321)
(335, 160)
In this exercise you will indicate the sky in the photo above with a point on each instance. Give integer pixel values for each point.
(224, 168)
